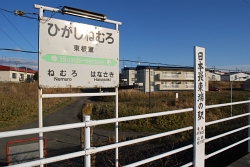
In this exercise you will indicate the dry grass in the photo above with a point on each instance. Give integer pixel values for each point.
(19, 103)
(133, 102)
(226, 85)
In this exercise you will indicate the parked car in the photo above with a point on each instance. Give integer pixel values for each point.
(214, 88)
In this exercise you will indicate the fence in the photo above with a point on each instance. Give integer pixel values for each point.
(88, 150)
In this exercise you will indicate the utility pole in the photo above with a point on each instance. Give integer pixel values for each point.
(138, 60)
(3, 59)
(16, 64)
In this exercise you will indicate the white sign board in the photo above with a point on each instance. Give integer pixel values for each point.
(77, 55)
(199, 109)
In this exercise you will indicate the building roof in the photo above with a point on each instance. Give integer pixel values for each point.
(233, 73)
(9, 68)
(215, 74)
(129, 68)
(165, 67)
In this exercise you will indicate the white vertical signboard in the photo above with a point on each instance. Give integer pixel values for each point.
(199, 109)
(77, 55)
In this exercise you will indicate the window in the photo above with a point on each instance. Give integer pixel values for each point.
(189, 75)
(14, 75)
(21, 77)
(134, 79)
(151, 73)
(152, 83)
(134, 72)
(176, 72)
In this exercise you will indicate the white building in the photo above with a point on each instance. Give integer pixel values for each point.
(12, 74)
(214, 76)
(235, 76)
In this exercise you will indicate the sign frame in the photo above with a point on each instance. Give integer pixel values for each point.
(77, 55)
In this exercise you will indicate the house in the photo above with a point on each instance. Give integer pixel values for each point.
(13, 74)
(214, 76)
(246, 85)
(162, 78)
(235, 76)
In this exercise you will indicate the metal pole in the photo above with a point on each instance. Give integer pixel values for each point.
(249, 124)
(40, 108)
(116, 116)
(87, 158)
(231, 99)
(116, 128)
(149, 94)
(40, 122)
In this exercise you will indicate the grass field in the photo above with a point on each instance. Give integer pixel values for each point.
(19, 103)
(132, 102)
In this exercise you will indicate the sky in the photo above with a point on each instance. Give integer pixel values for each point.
(154, 31)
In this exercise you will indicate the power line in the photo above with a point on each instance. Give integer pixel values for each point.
(21, 13)
(246, 2)
(24, 14)
(15, 42)
(17, 50)
(18, 30)
(6, 10)
(145, 62)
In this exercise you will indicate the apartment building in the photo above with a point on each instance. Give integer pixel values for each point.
(128, 76)
(163, 78)
(12, 74)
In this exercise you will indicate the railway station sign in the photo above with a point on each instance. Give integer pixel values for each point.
(77, 55)
(199, 108)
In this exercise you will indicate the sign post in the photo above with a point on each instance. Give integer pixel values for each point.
(76, 55)
(199, 104)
